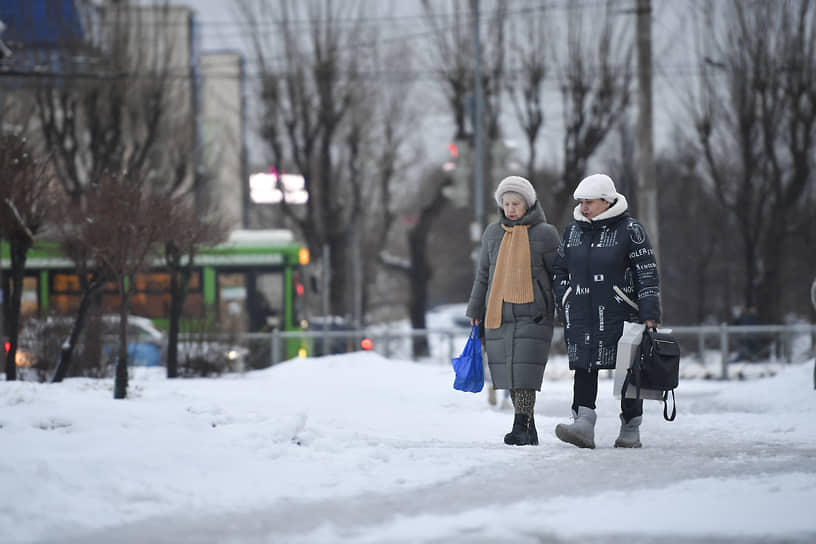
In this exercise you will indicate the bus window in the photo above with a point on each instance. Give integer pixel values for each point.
(151, 297)
(65, 283)
(266, 310)
(64, 297)
(232, 294)
(28, 302)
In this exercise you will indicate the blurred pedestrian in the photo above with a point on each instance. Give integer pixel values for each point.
(605, 273)
(512, 297)
(813, 294)
(748, 344)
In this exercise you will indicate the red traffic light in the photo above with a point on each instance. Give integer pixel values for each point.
(453, 149)
(7, 346)
(298, 287)
(367, 344)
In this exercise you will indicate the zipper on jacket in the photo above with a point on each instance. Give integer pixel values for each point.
(566, 294)
(590, 305)
(513, 347)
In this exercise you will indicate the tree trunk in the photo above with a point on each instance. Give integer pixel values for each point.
(768, 294)
(67, 349)
(339, 285)
(179, 282)
(19, 247)
(420, 273)
(121, 381)
(750, 260)
(176, 303)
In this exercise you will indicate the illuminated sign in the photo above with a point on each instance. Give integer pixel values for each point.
(264, 188)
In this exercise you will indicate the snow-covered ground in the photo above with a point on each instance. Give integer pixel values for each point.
(359, 448)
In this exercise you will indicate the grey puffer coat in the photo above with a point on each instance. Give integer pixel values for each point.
(517, 351)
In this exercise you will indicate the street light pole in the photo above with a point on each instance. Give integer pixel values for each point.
(478, 146)
(647, 177)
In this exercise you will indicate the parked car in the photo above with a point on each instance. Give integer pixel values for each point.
(41, 339)
(200, 355)
(146, 343)
(336, 342)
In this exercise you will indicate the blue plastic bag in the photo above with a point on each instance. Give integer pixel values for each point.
(468, 366)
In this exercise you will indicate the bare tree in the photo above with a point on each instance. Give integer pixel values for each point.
(310, 71)
(756, 128)
(695, 263)
(425, 206)
(25, 201)
(120, 229)
(114, 98)
(531, 58)
(595, 78)
(187, 232)
(321, 104)
(115, 103)
(595, 82)
(453, 61)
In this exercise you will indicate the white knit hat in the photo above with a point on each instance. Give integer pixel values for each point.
(518, 185)
(596, 186)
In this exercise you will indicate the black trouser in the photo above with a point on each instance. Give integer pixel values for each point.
(585, 391)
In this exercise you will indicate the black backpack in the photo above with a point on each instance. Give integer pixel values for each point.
(656, 367)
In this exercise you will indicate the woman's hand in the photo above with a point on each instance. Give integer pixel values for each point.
(651, 324)
(474, 321)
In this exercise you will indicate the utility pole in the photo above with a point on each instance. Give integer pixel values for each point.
(647, 175)
(477, 226)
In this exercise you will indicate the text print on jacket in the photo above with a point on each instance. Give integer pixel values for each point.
(605, 273)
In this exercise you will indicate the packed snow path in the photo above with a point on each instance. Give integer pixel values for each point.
(357, 448)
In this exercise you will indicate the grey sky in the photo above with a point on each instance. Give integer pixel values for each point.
(221, 27)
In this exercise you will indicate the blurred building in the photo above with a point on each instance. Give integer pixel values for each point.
(46, 39)
(223, 130)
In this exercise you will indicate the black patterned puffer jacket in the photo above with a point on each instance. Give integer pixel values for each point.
(605, 273)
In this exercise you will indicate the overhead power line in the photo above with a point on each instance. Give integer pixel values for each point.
(383, 74)
(464, 15)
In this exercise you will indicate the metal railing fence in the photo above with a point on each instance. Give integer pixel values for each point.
(724, 343)
(768, 342)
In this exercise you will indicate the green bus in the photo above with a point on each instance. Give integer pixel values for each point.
(250, 283)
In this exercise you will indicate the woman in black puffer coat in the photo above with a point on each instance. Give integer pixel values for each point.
(605, 273)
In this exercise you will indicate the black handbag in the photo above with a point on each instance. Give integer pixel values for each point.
(656, 367)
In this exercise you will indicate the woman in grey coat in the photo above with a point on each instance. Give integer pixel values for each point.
(512, 296)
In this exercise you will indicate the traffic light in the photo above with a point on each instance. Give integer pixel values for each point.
(459, 169)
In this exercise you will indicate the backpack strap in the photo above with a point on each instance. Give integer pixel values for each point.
(632, 378)
(626, 382)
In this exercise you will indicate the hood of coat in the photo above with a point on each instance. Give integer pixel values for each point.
(617, 209)
(534, 216)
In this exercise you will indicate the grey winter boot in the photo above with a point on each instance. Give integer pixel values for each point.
(629, 436)
(581, 432)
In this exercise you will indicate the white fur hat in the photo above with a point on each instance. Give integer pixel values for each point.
(596, 186)
(518, 185)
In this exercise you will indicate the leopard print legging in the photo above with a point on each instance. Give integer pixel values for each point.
(523, 400)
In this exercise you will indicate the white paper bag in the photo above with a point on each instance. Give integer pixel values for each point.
(627, 349)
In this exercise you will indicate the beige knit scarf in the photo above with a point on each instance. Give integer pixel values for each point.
(512, 279)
